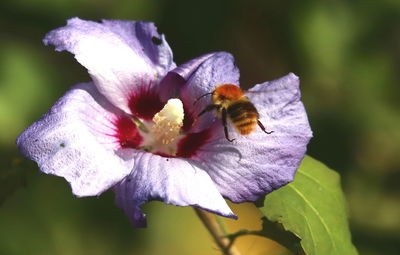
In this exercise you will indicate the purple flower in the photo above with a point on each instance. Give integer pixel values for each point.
(134, 128)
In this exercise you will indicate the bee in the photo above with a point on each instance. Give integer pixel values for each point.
(232, 105)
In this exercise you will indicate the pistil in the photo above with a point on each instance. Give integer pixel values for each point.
(168, 122)
(164, 129)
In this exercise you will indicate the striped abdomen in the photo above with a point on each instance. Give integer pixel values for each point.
(243, 116)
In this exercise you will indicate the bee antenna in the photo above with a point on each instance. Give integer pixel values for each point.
(200, 97)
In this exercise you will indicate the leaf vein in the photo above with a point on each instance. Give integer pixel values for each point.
(312, 178)
(309, 229)
(316, 213)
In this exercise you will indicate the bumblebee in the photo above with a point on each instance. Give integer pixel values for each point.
(232, 105)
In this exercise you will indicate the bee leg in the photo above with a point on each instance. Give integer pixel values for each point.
(263, 128)
(223, 117)
(208, 108)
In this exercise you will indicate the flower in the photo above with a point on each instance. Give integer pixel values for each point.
(134, 128)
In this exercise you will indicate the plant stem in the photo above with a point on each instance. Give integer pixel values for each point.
(217, 232)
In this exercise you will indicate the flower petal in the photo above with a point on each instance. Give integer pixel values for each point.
(186, 70)
(203, 74)
(172, 180)
(119, 55)
(259, 163)
(170, 86)
(74, 140)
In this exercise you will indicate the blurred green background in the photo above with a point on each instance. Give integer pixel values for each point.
(347, 54)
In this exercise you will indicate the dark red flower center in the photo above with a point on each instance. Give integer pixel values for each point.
(144, 104)
(191, 143)
(127, 133)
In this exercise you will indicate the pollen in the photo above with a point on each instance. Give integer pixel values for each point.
(168, 122)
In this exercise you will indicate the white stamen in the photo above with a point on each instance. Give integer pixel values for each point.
(168, 122)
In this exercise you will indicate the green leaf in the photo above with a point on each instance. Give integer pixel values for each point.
(314, 209)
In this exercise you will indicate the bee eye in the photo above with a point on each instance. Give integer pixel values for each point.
(221, 97)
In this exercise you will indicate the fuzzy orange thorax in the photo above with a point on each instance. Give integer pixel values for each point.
(228, 91)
